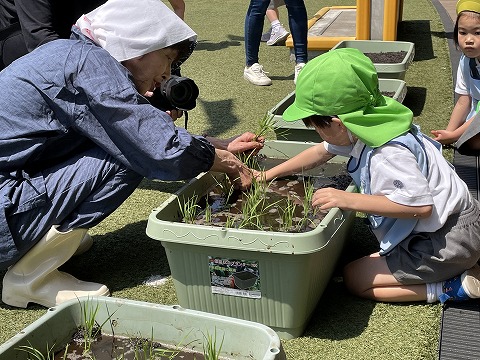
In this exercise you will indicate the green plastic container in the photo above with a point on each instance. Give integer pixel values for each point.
(292, 269)
(297, 131)
(389, 71)
(170, 325)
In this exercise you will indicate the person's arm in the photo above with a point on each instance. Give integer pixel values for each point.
(178, 7)
(457, 124)
(307, 159)
(460, 112)
(399, 188)
(36, 21)
(328, 198)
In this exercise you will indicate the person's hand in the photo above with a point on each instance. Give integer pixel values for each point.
(175, 114)
(245, 142)
(259, 175)
(239, 174)
(327, 198)
(444, 137)
(242, 180)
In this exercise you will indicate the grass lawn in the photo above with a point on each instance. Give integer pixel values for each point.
(342, 326)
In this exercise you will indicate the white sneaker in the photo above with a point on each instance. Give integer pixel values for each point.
(278, 35)
(256, 75)
(298, 68)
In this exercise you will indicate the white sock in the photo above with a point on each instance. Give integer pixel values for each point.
(434, 290)
(275, 24)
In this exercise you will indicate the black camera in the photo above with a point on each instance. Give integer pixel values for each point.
(178, 92)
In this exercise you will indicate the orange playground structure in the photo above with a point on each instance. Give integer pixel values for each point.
(368, 20)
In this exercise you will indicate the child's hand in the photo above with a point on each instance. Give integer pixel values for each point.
(259, 175)
(444, 137)
(327, 198)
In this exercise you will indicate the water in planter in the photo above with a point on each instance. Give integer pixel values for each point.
(280, 205)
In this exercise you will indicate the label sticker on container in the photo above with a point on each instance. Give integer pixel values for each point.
(234, 277)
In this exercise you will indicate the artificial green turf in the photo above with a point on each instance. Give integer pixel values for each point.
(342, 326)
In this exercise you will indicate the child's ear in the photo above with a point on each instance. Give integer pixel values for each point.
(336, 121)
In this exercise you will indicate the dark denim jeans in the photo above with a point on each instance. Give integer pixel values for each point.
(297, 21)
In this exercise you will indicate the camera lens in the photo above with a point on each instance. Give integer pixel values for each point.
(181, 92)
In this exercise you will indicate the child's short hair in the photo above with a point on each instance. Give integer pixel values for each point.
(321, 121)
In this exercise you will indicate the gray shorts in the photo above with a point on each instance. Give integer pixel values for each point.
(432, 257)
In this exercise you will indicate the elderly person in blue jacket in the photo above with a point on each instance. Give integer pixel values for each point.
(77, 135)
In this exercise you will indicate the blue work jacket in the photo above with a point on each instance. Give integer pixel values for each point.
(69, 95)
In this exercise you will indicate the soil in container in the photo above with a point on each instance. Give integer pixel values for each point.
(280, 205)
(387, 57)
(108, 347)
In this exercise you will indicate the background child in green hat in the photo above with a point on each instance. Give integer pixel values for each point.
(421, 212)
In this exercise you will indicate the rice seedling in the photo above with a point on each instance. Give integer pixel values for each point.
(90, 330)
(308, 210)
(147, 349)
(288, 214)
(35, 354)
(208, 212)
(230, 221)
(188, 208)
(210, 351)
(256, 205)
(226, 188)
(266, 124)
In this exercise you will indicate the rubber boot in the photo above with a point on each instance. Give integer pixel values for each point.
(85, 245)
(35, 278)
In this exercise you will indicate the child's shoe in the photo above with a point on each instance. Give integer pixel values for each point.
(462, 287)
(277, 35)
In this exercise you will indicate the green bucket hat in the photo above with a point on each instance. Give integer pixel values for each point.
(344, 82)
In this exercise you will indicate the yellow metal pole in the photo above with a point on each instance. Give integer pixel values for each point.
(390, 20)
(363, 20)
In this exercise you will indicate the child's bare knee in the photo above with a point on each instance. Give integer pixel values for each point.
(351, 280)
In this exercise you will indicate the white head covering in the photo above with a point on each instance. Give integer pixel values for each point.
(131, 28)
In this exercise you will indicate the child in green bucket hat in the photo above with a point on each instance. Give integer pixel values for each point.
(426, 222)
